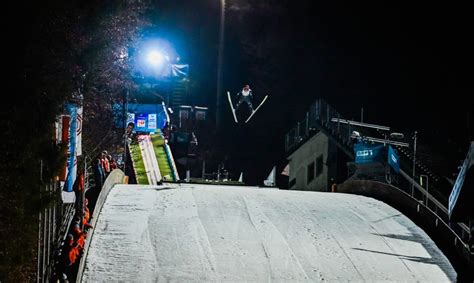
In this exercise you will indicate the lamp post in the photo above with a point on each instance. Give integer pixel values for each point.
(220, 59)
(421, 183)
(414, 163)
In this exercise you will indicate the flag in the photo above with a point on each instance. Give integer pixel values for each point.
(72, 157)
(79, 132)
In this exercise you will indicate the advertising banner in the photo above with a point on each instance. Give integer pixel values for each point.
(72, 157)
(141, 123)
(146, 117)
(65, 121)
(393, 159)
(152, 122)
(366, 152)
(460, 199)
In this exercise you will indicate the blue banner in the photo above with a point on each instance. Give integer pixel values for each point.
(366, 153)
(458, 185)
(145, 122)
(71, 159)
(393, 159)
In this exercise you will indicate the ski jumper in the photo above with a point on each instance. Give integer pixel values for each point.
(245, 95)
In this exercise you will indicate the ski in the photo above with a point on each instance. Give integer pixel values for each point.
(256, 109)
(232, 107)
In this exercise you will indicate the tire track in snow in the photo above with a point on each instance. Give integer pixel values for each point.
(270, 234)
(204, 245)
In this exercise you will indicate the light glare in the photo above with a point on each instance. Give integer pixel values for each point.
(155, 58)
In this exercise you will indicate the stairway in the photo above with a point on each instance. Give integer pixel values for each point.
(179, 92)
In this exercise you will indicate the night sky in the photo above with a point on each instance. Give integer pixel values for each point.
(408, 65)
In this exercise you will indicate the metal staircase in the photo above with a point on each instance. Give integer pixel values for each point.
(179, 92)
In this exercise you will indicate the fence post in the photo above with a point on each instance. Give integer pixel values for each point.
(48, 250)
(297, 132)
(44, 244)
(327, 114)
(414, 164)
(203, 169)
(307, 123)
(349, 130)
(38, 271)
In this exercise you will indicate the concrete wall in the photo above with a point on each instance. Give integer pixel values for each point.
(316, 146)
(115, 177)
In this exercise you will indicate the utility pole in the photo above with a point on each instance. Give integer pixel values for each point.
(414, 163)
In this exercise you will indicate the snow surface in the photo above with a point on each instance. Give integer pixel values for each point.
(149, 159)
(223, 233)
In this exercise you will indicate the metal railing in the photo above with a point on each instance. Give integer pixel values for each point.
(44, 241)
(170, 158)
(460, 229)
(320, 114)
(53, 226)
